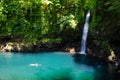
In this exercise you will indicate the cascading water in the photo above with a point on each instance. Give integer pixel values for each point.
(85, 32)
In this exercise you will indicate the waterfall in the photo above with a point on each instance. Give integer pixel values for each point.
(84, 35)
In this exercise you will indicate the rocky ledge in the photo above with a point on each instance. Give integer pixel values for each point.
(28, 47)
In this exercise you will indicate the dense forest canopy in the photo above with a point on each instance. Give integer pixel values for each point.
(45, 20)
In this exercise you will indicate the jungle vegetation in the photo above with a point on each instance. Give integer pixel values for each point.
(60, 20)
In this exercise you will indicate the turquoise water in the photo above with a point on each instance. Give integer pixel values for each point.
(49, 66)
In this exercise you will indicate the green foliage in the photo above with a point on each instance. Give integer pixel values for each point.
(36, 20)
(67, 22)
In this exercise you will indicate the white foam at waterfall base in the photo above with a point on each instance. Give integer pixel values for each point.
(82, 53)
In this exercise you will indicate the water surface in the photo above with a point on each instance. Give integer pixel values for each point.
(52, 66)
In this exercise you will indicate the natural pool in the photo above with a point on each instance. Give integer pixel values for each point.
(52, 66)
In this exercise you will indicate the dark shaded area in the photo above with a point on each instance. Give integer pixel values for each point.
(5, 39)
(56, 75)
(89, 60)
(105, 71)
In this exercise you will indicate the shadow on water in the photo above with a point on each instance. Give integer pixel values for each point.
(55, 75)
(88, 60)
(103, 70)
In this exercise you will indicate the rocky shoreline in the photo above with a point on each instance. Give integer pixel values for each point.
(37, 47)
(71, 48)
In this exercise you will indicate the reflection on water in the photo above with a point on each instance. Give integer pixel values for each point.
(54, 66)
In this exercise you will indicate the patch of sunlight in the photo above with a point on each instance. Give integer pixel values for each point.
(46, 2)
(73, 23)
